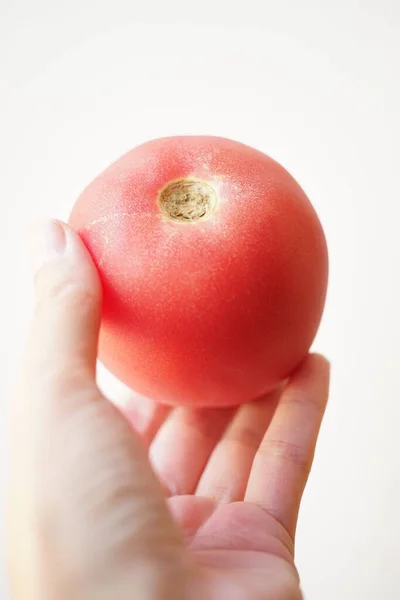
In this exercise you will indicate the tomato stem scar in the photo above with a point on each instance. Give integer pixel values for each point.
(187, 200)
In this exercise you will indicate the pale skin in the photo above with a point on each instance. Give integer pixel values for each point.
(152, 503)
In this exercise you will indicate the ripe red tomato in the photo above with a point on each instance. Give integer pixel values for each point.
(214, 268)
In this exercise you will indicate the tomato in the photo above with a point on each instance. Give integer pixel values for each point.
(214, 269)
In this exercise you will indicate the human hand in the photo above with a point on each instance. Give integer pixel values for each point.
(88, 518)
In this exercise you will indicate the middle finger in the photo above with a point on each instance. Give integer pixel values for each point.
(183, 444)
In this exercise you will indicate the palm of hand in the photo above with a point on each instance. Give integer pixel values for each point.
(234, 481)
(243, 551)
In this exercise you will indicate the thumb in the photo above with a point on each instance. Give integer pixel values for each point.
(96, 511)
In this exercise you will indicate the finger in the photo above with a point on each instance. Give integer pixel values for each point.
(67, 311)
(226, 474)
(145, 416)
(183, 445)
(284, 459)
(83, 488)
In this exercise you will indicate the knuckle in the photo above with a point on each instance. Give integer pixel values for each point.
(66, 292)
(220, 492)
(288, 452)
(64, 393)
(73, 381)
(302, 399)
(243, 436)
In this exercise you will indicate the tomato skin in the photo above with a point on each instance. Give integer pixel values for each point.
(214, 312)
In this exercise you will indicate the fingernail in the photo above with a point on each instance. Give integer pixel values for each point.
(47, 242)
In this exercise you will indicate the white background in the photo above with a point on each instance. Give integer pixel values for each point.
(316, 86)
